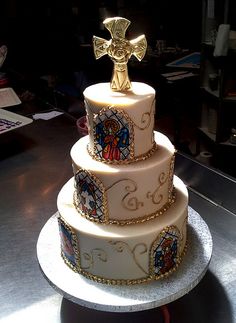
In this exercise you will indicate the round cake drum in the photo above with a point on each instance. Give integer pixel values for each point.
(132, 298)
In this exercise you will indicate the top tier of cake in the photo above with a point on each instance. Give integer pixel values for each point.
(120, 124)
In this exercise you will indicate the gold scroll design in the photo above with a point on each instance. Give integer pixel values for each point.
(135, 252)
(124, 282)
(167, 230)
(156, 196)
(145, 120)
(103, 206)
(94, 255)
(120, 245)
(75, 245)
(129, 202)
(144, 124)
(132, 203)
(171, 176)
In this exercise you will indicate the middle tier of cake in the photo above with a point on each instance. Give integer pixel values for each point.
(123, 194)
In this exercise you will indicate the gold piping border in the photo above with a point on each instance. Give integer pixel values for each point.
(171, 174)
(125, 161)
(149, 278)
(142, 219)
(107, 220)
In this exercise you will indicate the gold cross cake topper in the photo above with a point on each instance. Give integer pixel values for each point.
(120, 50)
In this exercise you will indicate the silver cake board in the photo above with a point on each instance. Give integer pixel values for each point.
(88, 293)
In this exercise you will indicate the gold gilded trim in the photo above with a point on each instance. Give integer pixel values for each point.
(130, 221)
(119, 246)
(96, 253)
(119, 49)
(155, 196)
(132, 203)
(146, 118)
(148, 278)
(124, 161)
(129, 203)
(171, 174)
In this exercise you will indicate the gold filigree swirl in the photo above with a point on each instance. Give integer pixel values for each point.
(136, 251)
(94, 254)
(156, 197)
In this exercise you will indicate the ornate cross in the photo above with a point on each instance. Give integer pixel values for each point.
(120, 50)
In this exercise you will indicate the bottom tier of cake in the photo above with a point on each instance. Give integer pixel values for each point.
(129, 254)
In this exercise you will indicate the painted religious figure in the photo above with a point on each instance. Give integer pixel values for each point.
(90, 195)
(112, 137)
(166, 253)
(88, 200)
(67, 243)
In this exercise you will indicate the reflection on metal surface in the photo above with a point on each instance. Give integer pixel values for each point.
(215, 186)
(38, 312)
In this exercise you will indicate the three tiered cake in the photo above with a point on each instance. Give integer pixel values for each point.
(123, 215)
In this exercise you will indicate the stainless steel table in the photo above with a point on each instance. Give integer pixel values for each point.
(35, 163)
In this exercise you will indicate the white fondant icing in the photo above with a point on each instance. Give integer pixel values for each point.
(121, 252)
(138, 104)
(136, 190)
(126, 298)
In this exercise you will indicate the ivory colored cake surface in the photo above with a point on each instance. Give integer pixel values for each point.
(123, 216)
(123, 254)
(130, 122)
(127, 193)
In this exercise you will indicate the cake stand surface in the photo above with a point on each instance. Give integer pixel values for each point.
(87, 293)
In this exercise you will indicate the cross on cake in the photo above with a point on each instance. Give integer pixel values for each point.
(123, 215)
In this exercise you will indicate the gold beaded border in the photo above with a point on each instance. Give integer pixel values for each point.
(151, 277)
(171, 174)
(142, 219)
(125, 161)
(165, 207)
